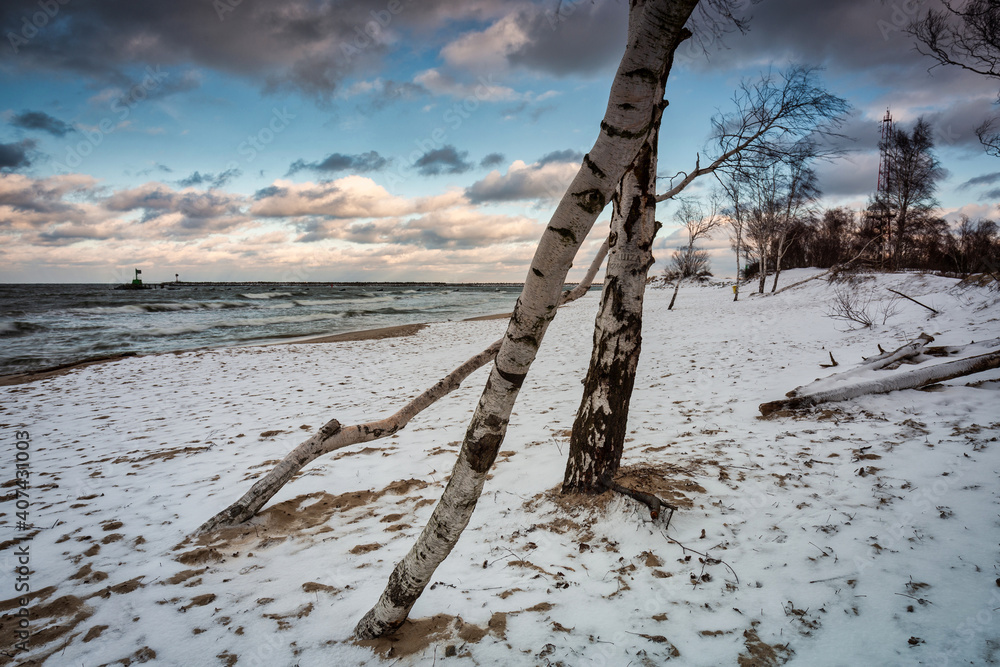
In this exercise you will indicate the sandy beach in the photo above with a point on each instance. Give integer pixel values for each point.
(861, 532)
(365, 334)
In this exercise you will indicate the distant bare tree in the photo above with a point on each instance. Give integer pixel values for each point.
(965, 35)
(799, 193)
(835, 234)
(974, 245)
(912, 179)
(768, 201)
(690, 261)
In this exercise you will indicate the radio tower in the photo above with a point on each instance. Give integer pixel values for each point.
(883, 221)
(883, 164)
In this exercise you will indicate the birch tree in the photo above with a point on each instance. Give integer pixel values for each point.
(800, 194)
(598, 434)
(655, 28)
(771, 115)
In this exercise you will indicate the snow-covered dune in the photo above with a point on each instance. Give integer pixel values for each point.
(862, 533)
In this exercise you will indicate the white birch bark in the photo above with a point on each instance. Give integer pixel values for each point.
(598, 435)
(333, 436)
(907, 380)
(654, 30)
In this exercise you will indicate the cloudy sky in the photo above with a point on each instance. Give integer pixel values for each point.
(391, 139)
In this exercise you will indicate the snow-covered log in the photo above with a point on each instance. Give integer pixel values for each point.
(913, 379)
(908, 351)
(958, 350)
(912, 349)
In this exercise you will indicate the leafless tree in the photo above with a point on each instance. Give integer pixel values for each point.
(965, 35)
(799, 193)
(772, 114)
(690, 261)
(912, 178)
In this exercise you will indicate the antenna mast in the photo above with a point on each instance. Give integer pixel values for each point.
(884, 216)
(884, 164)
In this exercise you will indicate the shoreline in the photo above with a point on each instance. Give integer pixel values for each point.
(379, 333)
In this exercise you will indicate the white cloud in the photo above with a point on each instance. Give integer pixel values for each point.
(486, 51)
(485, 89)
(524, 181)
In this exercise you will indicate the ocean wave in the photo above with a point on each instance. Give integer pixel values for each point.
(152, 332)
(12, 328)
(164, 307)
(265, 295)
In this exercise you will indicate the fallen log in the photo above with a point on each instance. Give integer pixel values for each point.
(332, 436)
(836, 267)
(908, 351)
(914, 301)
(914, 379)
(953, 350)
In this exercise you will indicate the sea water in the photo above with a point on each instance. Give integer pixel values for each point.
(42, 326)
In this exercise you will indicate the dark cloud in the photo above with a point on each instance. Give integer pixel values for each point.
(15, 156)
(270, 191)
(211, 180)
(993, 194)
(845, 34)
(303, 45)
(444, 160)
(492, 160)
(985, 179)
(567, 155)
(583, 37)
(41, 121)
(360, 163)
(855, 175)
(156, 167)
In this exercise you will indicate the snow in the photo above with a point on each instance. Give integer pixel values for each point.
(862, 532)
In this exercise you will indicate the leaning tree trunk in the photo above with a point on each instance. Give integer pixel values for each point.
(736, 285)
(777, 269)
(654, 31)
(763, 271)
(333, 436)
(673, 297)
(598, 436)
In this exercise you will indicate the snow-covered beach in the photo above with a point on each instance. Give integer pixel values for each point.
(865, 532)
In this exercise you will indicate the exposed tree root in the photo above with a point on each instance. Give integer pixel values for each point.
(654, 504)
